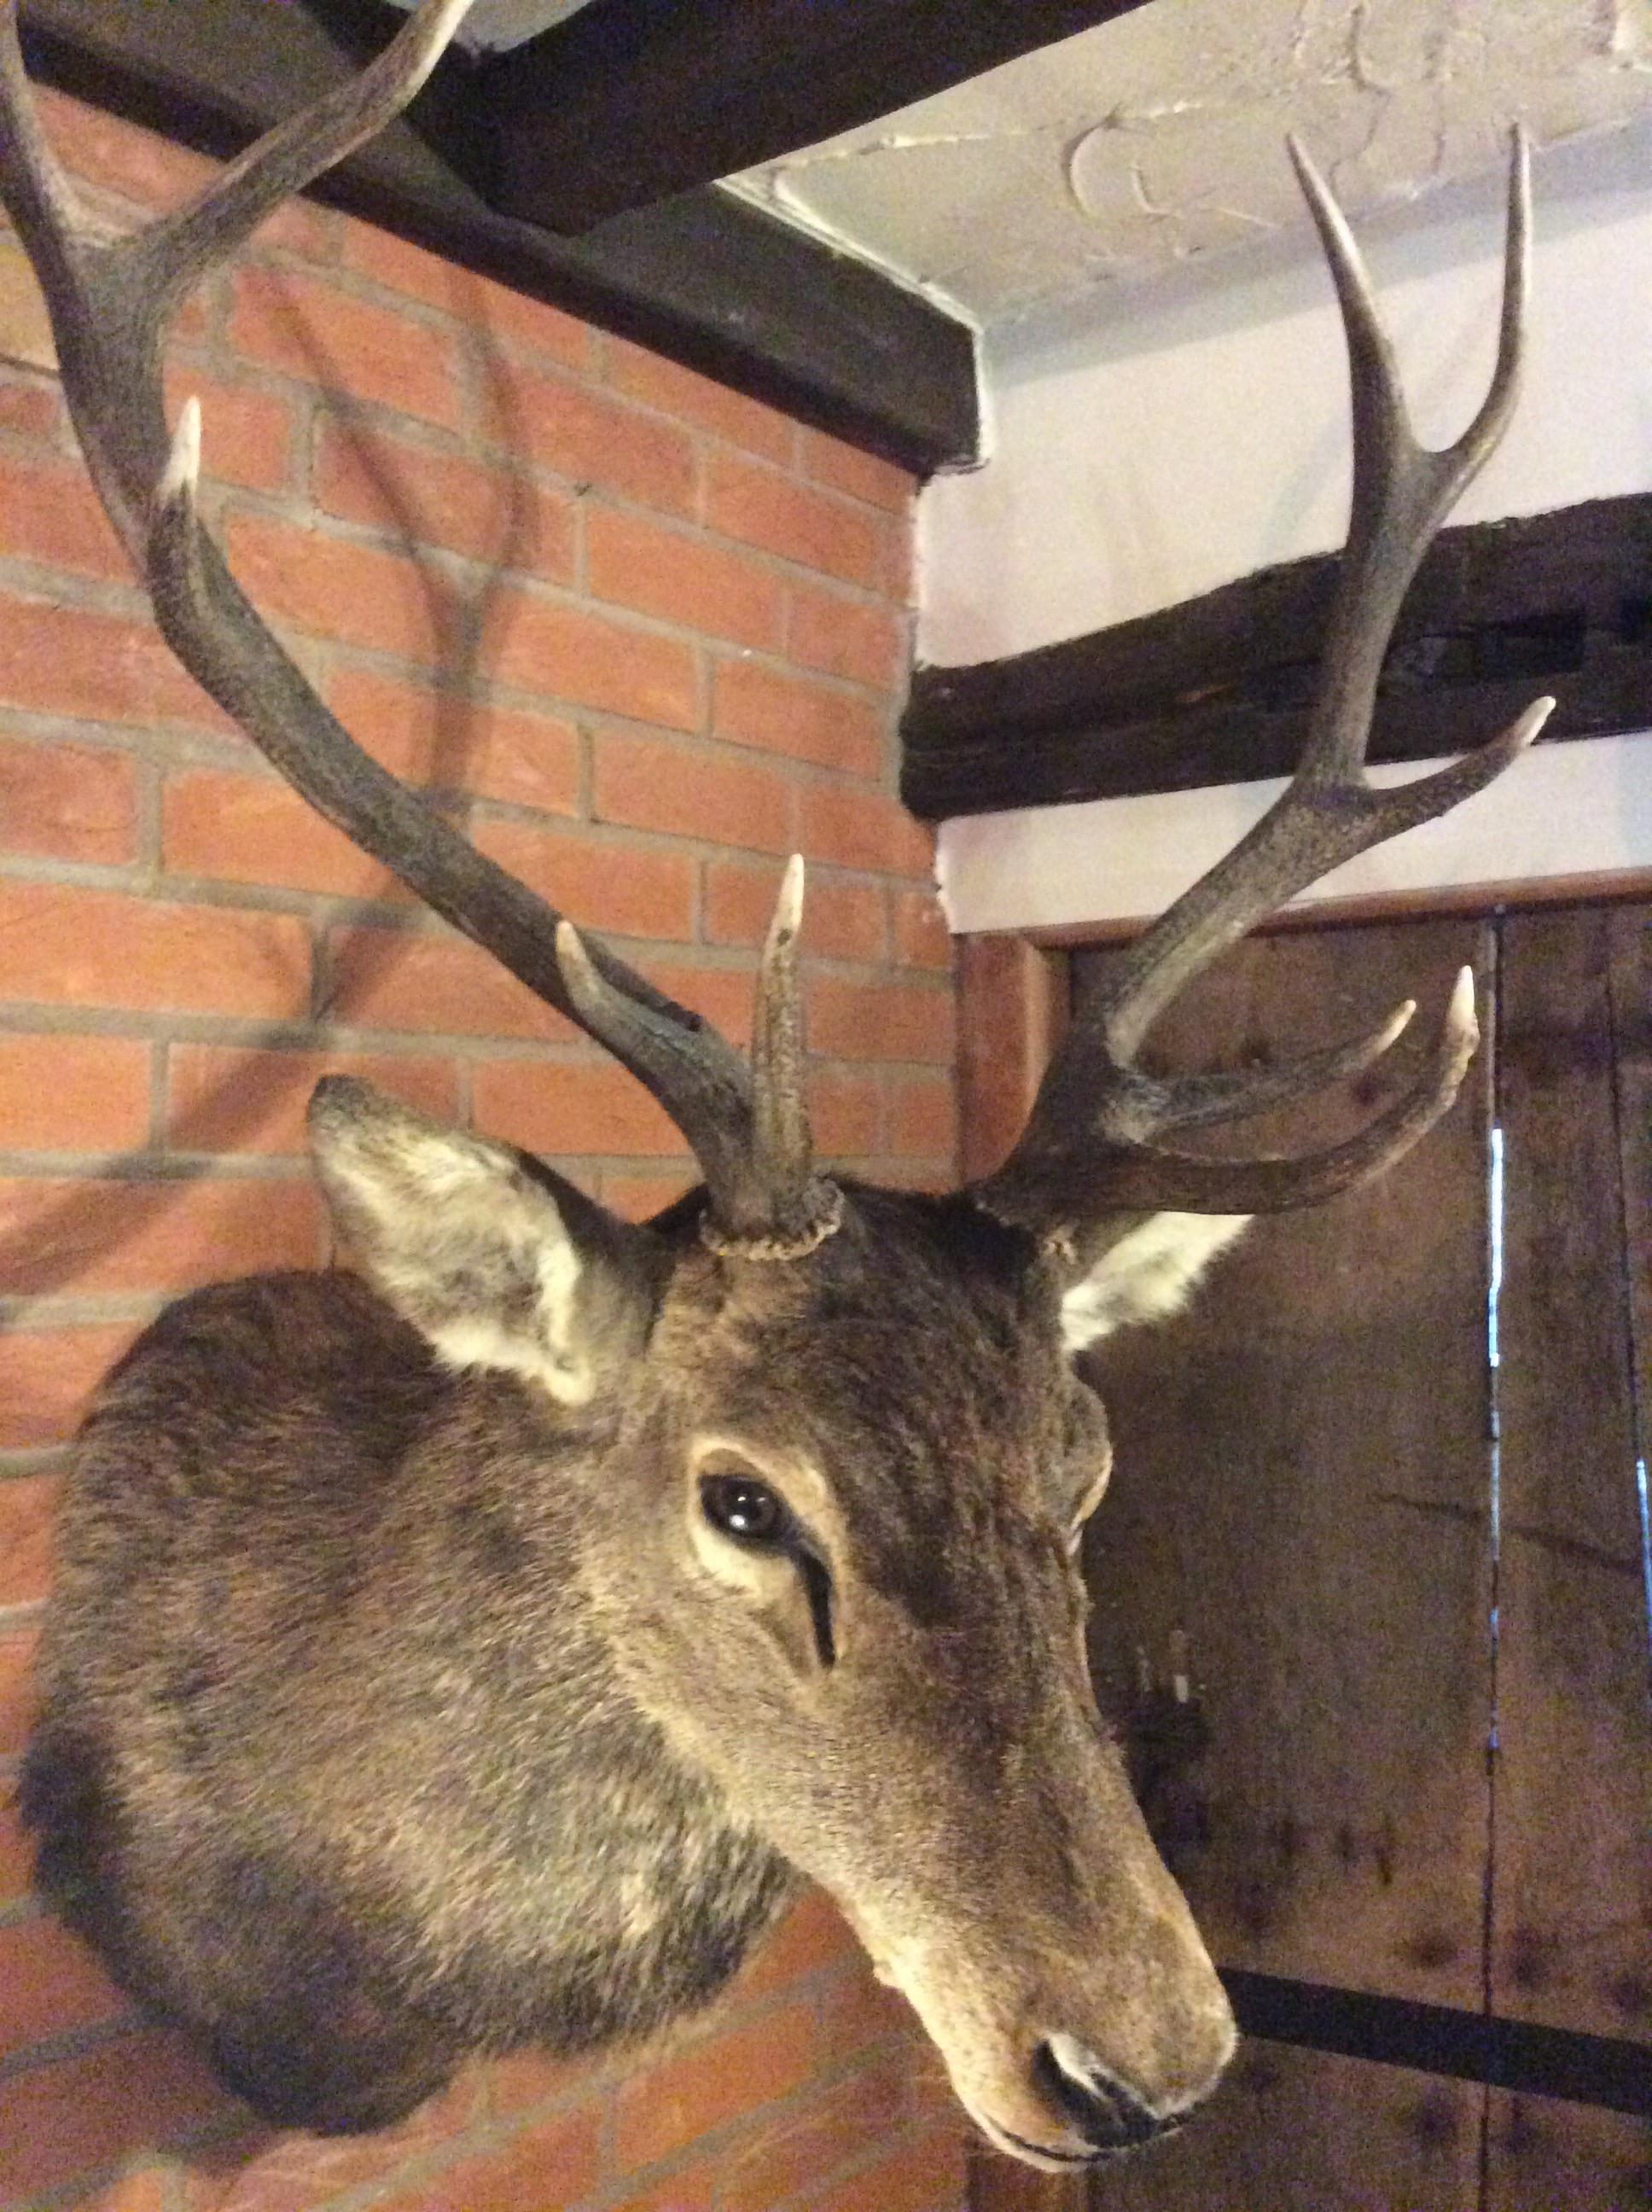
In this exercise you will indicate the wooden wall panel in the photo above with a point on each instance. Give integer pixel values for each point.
(1302, 2131)
(1301, 1500)
(1543, 2155)
(1572, 1856)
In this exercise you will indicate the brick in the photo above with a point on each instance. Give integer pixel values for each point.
(879, 1021)
(651, 785)
(712, 2081)
(448, 743)
(87, 1236)
(551, 2161)
(925, 2175)
(525, 2080)
(17, 1696)
(27, 409)
(69, 946)
(334, 587)
(697, 399)
(256, 829)
(17, 1853)
(277, 2172)
(639, 1197)
(856, 639)
(52, 1983)
(599, 884)
(760, 507)
(827, 460)
(234, 1098)
(589, 439)
(814, 1934)
(312, 330)
(847, 1114)
(149, 2189)
(58, 660)
(49, 512)
(27, 1503)
(924, 1118)
(576, 1107)
(857, 2013)
(752, 705)
(25, 327)
(117, 156)
(921, 937)
(489, 310)
(840, 921)
(439, 986)
(486, 514)
(689, 2189)
(72, 1093)
(46, 1377)
(68, 803)
(802, 2149)
(247, 435)
(543, 645)
(682, 578)
(137, 2093)
(863, 829)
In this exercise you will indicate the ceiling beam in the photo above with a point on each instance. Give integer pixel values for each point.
(629, 102)
(702, 278)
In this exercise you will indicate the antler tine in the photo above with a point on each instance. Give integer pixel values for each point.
(1095, 1113)
(110, 302)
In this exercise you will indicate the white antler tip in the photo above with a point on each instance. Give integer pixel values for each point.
(1398, 1022)
(183, 470)
(788, 906)
(1460, 1015)
(571, 955)
(1531, 723)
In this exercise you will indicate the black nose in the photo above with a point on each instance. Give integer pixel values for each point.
(1106, 2113)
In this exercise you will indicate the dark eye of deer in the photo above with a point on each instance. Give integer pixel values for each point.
(742, 1509)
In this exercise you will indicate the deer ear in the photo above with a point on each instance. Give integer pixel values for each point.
(1140, 1267)
(498, 1262)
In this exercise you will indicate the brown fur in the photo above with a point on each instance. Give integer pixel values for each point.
(393, 1712)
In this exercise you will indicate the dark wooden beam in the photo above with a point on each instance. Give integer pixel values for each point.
(1216, 690)
(631, 100)
(701, 278)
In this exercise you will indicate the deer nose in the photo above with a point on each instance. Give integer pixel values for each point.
(1090, 2097)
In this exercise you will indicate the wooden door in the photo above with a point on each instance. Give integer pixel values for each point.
(1405, 1590)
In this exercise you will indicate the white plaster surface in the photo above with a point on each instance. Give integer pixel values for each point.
(1155, 139)
(494, 24)
(1138, 463)
(1578, 811)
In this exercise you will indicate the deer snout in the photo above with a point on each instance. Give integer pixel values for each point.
(1083, 2093)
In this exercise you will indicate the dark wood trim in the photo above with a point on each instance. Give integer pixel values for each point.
(1465, 2046)
(1215, 690)
(702, 278)
(629, 101)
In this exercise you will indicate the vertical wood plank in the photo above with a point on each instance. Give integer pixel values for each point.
(1012, 1005)
(1302, 2131)
(1572, 1880)
(1299, 1517)
(1542, 2155)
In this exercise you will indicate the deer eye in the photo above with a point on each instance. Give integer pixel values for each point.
(743, 1508)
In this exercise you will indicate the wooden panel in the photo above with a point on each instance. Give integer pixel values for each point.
(1298, 1521)
(1572, 1887)
(1301, 2131)
(1565, 2157)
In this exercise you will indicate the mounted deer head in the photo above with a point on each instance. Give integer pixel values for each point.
(465, 1661)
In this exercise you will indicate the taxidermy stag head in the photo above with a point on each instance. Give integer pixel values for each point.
(470, 1657)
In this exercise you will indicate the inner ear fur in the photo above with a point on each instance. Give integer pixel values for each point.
(1140, 1267)
(498, 1261)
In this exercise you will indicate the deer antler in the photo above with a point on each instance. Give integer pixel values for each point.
(1092, 1142)
(111, 302)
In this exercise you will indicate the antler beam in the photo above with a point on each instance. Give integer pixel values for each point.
(111, 301)
(1092, 1143)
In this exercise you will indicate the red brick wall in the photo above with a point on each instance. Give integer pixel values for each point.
(651, 635)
